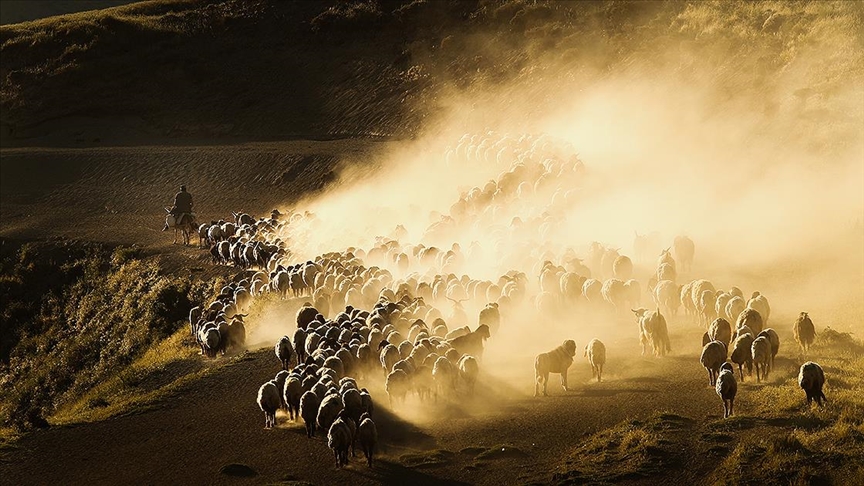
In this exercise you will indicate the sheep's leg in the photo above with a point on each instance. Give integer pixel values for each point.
(564, 380)
(600, 374)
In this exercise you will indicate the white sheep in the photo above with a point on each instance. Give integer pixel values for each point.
(727, 388)
(595, 351)
(751, 318)
(653, 331)
(760, 303)
(741, 353)
(774, 340)
(389, 356)
(761, 350)
(667, 297)
(269, 402)
(468, 371)
(713, 356)
(804, 331)
(444, 375)
(811, 379)
(720, 330)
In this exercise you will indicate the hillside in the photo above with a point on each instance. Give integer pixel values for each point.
(508, 140)
(267, 69)
(16, 11)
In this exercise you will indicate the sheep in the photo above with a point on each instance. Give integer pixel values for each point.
(284, 351)
(653, 331)
(472, 343)
(720, 330)
(339, 439)
(633, 292)
(195, 315)
(705, 306)
(622, 268)
(734, 307)
(686, 301)
(614, 293)
(713, 356)
(666, 258)
(397, 385)
(368, 435)
(760, 303)
(468, 371)
(292, 393)
(761, 350)
(727, 388)
(300, 340)
(329, 409)
(591, 290)
(684, 251)
(491, 316)
(751, 318)
(236, 338)
(666, 272)
(811, 379)
(722, 299)
(269, 402)
(353, 403)
(306, 315)
(389, 356)
(741, 353)
(211, 340)
(444, 375)
(556, 361)
(367, 405)
(666, 297)
(774, 340)
(804, 331)
(595, 351)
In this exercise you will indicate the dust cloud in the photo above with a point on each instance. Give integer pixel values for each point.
(768, 183)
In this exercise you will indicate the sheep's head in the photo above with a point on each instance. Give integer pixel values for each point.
(640, 312)
(727, 366)
(569, 347)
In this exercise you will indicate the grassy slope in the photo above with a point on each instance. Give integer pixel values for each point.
(279, 69)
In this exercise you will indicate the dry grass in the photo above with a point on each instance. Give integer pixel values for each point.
(792, 443)
(630, 450)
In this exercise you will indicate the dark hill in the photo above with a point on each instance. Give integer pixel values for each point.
(267, 69)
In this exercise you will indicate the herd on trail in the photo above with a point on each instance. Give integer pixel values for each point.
(376, 314)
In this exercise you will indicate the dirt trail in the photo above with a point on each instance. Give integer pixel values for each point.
(188, 438)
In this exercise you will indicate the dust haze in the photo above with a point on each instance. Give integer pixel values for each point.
(767, 180)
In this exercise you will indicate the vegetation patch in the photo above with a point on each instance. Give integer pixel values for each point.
(793, 443)
(438, 457)
(631, 450)
(84, 323)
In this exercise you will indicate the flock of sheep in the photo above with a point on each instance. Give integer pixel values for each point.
(400, 313)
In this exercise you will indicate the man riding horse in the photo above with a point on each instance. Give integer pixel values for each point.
(182, 205)
(181, 216)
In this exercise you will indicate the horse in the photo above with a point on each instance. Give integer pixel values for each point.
(187, 227)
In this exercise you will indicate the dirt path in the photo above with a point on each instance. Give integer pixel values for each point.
(213, 422)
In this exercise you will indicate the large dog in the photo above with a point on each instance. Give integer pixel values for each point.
(556, 361)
